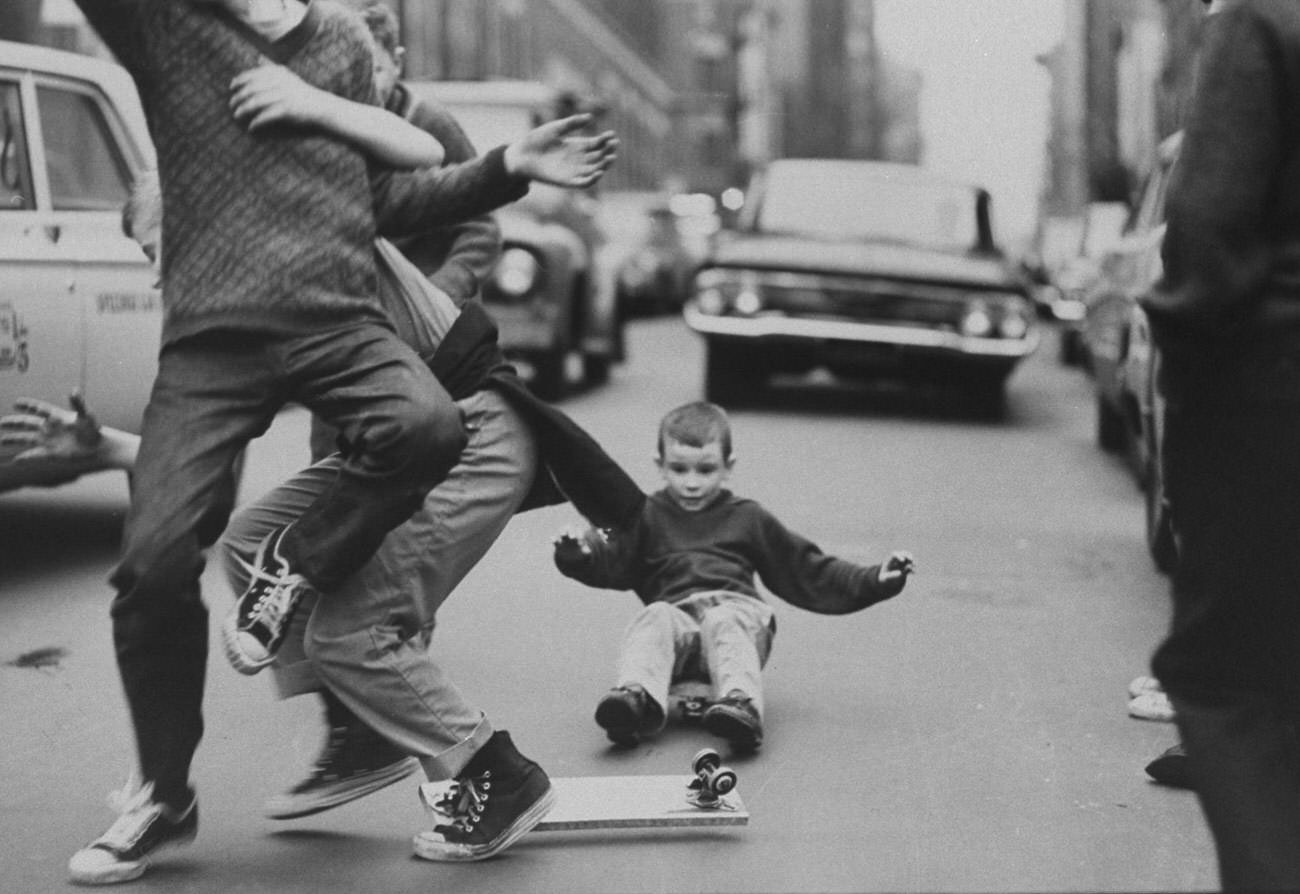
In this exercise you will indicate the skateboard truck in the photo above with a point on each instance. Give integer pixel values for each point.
(711, 781)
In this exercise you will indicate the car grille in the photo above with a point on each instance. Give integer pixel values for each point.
(863, 300)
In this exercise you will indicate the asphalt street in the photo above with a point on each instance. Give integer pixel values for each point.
(970, 735)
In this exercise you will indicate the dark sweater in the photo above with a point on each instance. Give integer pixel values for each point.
(669, 553)
(1227, 313)
(271, 232)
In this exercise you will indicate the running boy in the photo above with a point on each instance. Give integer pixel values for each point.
(691, 557)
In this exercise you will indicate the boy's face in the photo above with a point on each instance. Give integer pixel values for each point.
(694, 476)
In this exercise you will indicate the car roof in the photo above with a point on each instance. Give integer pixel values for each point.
(110, 77)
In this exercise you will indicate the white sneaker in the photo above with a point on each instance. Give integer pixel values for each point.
(1151, 706)
(142, 827)
(1144, 684)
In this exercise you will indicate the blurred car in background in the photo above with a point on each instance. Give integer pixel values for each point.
(1121, 358)
(869, 269)
(655, 276)
(1101, 226)
(79, 310)
(546, 296)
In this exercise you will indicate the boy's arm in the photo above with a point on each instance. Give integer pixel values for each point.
(272, 94)
(555, 153)
(473, 247)
(796, 570)
(48, 432)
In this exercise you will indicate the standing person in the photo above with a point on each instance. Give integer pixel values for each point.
(691, 556)
(269, 294)
(1226, 320)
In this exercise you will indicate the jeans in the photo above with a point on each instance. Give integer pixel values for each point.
(716, 636)
(371, 646)
(1231, 661)
(212, 395)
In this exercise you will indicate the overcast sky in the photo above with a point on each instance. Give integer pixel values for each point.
(984, 108)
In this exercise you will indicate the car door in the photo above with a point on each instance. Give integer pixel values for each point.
(88, 165)
(41, 331)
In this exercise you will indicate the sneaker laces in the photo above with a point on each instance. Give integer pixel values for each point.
(274, 602)
(135, 806)
(463, 802)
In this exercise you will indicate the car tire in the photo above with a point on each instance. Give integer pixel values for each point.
(1111, 433)
(1159, 526)
(732, 374)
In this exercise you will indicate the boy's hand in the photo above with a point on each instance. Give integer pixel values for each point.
(574, 544)
(556, 153)
(50, 432)
(895, 570)
(271, 94)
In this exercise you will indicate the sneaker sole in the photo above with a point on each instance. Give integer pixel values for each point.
(737, 732)
(123, 872)
(287, 807)
(235, 655)
(428, 846)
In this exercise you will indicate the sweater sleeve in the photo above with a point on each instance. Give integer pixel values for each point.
(407, 202)
(473, 246)
(1218, 248)
(117, 24)
(608, 566)
(796, 570)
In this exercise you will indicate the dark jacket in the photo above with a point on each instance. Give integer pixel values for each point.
(1226, 315)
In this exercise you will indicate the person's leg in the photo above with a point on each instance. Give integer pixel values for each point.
(736, 639)
(657, 643)
(1231, 662)
(403, 432)
(209, 399)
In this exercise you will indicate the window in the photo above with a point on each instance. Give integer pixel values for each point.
(86, 169)
(15, 170)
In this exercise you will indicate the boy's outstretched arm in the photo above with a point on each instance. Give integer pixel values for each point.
(558, 153)
(49, 432)
(272, 94)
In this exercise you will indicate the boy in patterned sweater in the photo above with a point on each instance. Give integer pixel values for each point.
(691, 557)
(269, 295)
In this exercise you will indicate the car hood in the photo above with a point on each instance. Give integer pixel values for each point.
(855, 258)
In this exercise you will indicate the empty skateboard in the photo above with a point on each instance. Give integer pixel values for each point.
(708, 797)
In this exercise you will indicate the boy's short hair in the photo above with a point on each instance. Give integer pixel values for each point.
(696, 424)
(382, 22)
(143, 209)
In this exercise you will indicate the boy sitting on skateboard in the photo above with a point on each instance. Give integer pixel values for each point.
(691, 557)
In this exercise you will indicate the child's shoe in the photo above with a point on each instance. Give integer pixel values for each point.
(1138, 685)
(355, 762)
(490, 804)
(142, 827)
(625, 714)
(257, 625)
(734, 718)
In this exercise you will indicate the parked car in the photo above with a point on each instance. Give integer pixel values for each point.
(545, 293)
(1122, 359)
(869, 269)
(78, 306)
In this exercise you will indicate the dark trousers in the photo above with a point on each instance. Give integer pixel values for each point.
(214, 394)
(1231, 662)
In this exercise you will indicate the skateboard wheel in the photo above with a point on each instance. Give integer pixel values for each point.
(722, 780)
(705, 760)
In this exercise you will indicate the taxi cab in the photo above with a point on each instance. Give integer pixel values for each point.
(78, 306)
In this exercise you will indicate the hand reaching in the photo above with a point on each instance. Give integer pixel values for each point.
(270, 94)
(896, 569)
(557, 153)
(50, 432)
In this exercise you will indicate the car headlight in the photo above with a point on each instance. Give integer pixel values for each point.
(996, 315)
(728, 291)
(977, 321)
(517, 272)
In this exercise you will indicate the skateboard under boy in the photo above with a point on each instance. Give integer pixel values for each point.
(707, 797)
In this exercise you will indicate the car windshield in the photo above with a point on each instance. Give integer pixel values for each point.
(861, 201)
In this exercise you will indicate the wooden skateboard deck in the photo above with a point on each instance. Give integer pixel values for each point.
(634, 802)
